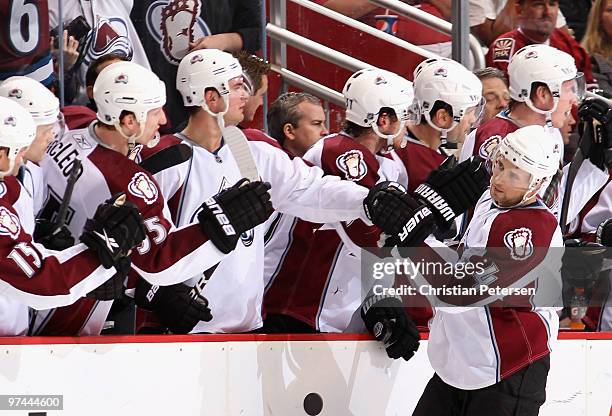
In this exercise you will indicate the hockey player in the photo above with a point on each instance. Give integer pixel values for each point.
(210, 82)
(32, 275)
(496, 357)
(129, 100)
(43, 106)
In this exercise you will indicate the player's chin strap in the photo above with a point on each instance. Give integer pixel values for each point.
(546, 113)
(219, 116)
(390, 138)
(131, 139)
(444, 143)
(11, 159)
(530, 190)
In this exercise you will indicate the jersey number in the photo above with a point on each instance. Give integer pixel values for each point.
(153, 227)
(24, 26)
(19, 255)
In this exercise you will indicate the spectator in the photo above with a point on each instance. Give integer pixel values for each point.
(537, 25)
(494, 90)
(297, 121)
(576, 13)
(24, 48)
(255, 73)
(184, 25)
(71, 58)
(491, 18)
(598, 42)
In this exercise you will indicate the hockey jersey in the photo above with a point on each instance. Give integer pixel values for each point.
(328, 289)
(235, 288)
(32, 275)
(506, 45)
(168, 255)
(24, 40)
(472, 348)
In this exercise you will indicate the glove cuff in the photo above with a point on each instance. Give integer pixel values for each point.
(373, 300)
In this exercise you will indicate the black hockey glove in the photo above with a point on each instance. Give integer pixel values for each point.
(389, 323)
(596, 132)
(450, 190)
(233, 211)
(51, 236)
(405, 220)
(115, 229)
(179, 307)
(604, 233)
(113, 288)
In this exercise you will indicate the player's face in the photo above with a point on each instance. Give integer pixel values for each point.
(256, 100)
(458, 133)
(155, 119)
(567, 99)
(496, 95)
(238, 97)
(538, 18)
(567, 128)
(44, 135)
(310, 128)
(508, 183)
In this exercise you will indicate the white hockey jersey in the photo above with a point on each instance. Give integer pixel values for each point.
(235, 289)
(471, 348)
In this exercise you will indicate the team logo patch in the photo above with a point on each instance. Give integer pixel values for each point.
(81, 141)
(519, 242)
(441, 72)
(531, 55)
(196, 58)
(9, 223)
(143, 187)
(503, 49)
(486, 149)
(135, 153)
(352, 164)
(121, 79)
(109, 35)
(380, 81)
(174, 24)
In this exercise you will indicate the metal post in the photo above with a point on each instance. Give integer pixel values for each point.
(461, 31)
(278, 50)
(264, 53)
(60, 34)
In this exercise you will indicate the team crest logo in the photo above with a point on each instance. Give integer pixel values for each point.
(121, 79)
(109, 35)
(352, 164)
(9, 223)
(142, 187)
(135, 153)
(489, 145)
(441, 72)
(503, 49)
(10, 121)
(380, 81)
(531, 55)
(175, 24)
(15, 93)
(196, 58)
(519, 242)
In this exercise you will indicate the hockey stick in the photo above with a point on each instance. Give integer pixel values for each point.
(239, 147)
(571, 176)
(62, 213)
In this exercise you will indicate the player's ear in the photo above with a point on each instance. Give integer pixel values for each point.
(442, 118)
(288, 131)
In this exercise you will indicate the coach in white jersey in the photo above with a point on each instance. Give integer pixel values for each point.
(32, 275)
(497, 357)
(210, 82)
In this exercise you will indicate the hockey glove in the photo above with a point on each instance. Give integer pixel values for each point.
(404, 219)
(596, 132)
(604, 233)
(389, 323)
(51, 236)
(115, 229)
(233, 211)
(113, 288)
(451, 189)
(178, 307)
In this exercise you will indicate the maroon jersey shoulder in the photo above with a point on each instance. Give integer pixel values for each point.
(533, 225)
(78, 116)
(490, 133)
(256, 135)
(344, 157)
(165, 142)
(419, 161)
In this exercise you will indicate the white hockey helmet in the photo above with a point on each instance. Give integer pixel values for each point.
(533, 150)
(127, 86)
(544, 64)
(370, 90)
(17, 130)
(447, 81)
(206, 68)
(42, 105)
